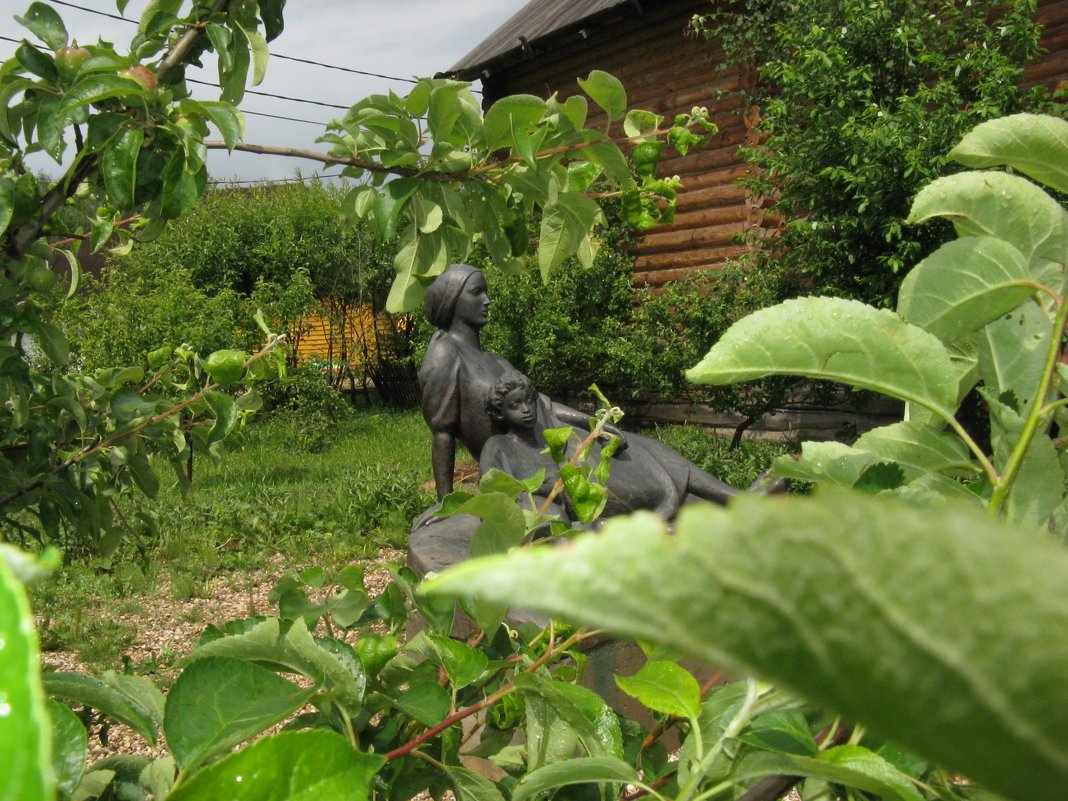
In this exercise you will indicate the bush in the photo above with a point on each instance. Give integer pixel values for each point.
(860, 103)
(739, 466)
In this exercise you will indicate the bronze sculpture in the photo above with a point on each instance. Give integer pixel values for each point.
(457, 378)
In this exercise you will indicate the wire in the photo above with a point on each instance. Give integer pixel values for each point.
(275, 55)
(94, 11)
(280, 117)
(342, 69)
(277, 97)
(301, 179)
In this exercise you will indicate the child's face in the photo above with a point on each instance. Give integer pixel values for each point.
(520, 409)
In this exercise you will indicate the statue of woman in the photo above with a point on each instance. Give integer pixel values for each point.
(457, 379)
(457, 375)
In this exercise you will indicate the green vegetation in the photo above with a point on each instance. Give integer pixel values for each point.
(831, 596)
(860, 103)
(356, 496)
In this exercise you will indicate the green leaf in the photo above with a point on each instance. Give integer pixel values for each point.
(7, 200)
(233, 79)
(224, 407)
(294, 651)
(825, 462)
(108, 700)
(427, 703)
(1034, 144)
(40, 64)
(639, 123)
(964, 285)
(260, 54)
(462, 663)
(471, 786)
(70, 746)
(588, 498)
(850, 765)
(94, 88)
(218, 702)
(607, 92)
(917, 448)
(226, 366)
(418, 259)
(502, 527)
(664, 687)
(24, 738)
(1012, 352)
(389, 202)
(43, 21)
(564, 223)
(119, 166)
(508, 119)
(271, 14)
(582, 770)
(566, 715)
(143, 475)
(784, 731)
(838, 340)
(830, 597)
(291, 766)
(999, 205)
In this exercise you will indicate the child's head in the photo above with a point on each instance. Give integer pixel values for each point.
(513, 401)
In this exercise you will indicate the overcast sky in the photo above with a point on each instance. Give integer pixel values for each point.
(398, 38)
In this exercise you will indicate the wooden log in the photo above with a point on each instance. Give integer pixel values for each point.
(702, 217)
(1050, 13)
(660, 277)
(684, 239)
(688, 259)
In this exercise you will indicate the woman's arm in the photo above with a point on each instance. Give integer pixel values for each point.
(443, 459)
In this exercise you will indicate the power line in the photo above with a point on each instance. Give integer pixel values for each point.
(275, 55)
(301, 179)
(342, 69)
(276, 97)
(280, 117)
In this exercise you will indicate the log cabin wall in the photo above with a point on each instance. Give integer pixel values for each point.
(668, 72)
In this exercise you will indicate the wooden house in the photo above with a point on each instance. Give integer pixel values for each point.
(547, 44)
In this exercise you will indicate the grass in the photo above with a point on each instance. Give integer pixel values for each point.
(355, 495)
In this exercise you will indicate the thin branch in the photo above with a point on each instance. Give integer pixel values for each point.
(180, 51)
(348, 161)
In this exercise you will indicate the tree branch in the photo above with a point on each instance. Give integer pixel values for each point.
(178, 53)
(348, 161)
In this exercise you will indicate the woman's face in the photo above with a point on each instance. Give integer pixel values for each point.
(520, 409)
(472, 307)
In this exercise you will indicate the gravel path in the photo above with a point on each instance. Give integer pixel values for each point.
(168, 630)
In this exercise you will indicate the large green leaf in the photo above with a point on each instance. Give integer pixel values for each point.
(295, 651)
(606, 91)
(964, 285)
(1034, 144)
(112, 701)
(70, 746)
(850, 765)
(575, 771)
(24, 741)
(509, 118)
(917, 448)
(664, 687)
(218, 702)
(46, 24)
(838, 340)
(1000, 205)
(944, 629)
(1012, 353)
(291, 766)
(564, 224)
(471, 786)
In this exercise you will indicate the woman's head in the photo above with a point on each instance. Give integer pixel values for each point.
(461, 289)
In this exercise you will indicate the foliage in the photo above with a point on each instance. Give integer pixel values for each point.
(739, 466)
(831, 595)
(133, 308)
(70, 443)
(860, 101)
(436, 135)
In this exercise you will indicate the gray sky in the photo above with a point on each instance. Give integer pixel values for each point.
(400, 38)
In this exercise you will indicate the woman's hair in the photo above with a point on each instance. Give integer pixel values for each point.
(441, 296)
(509, 381)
